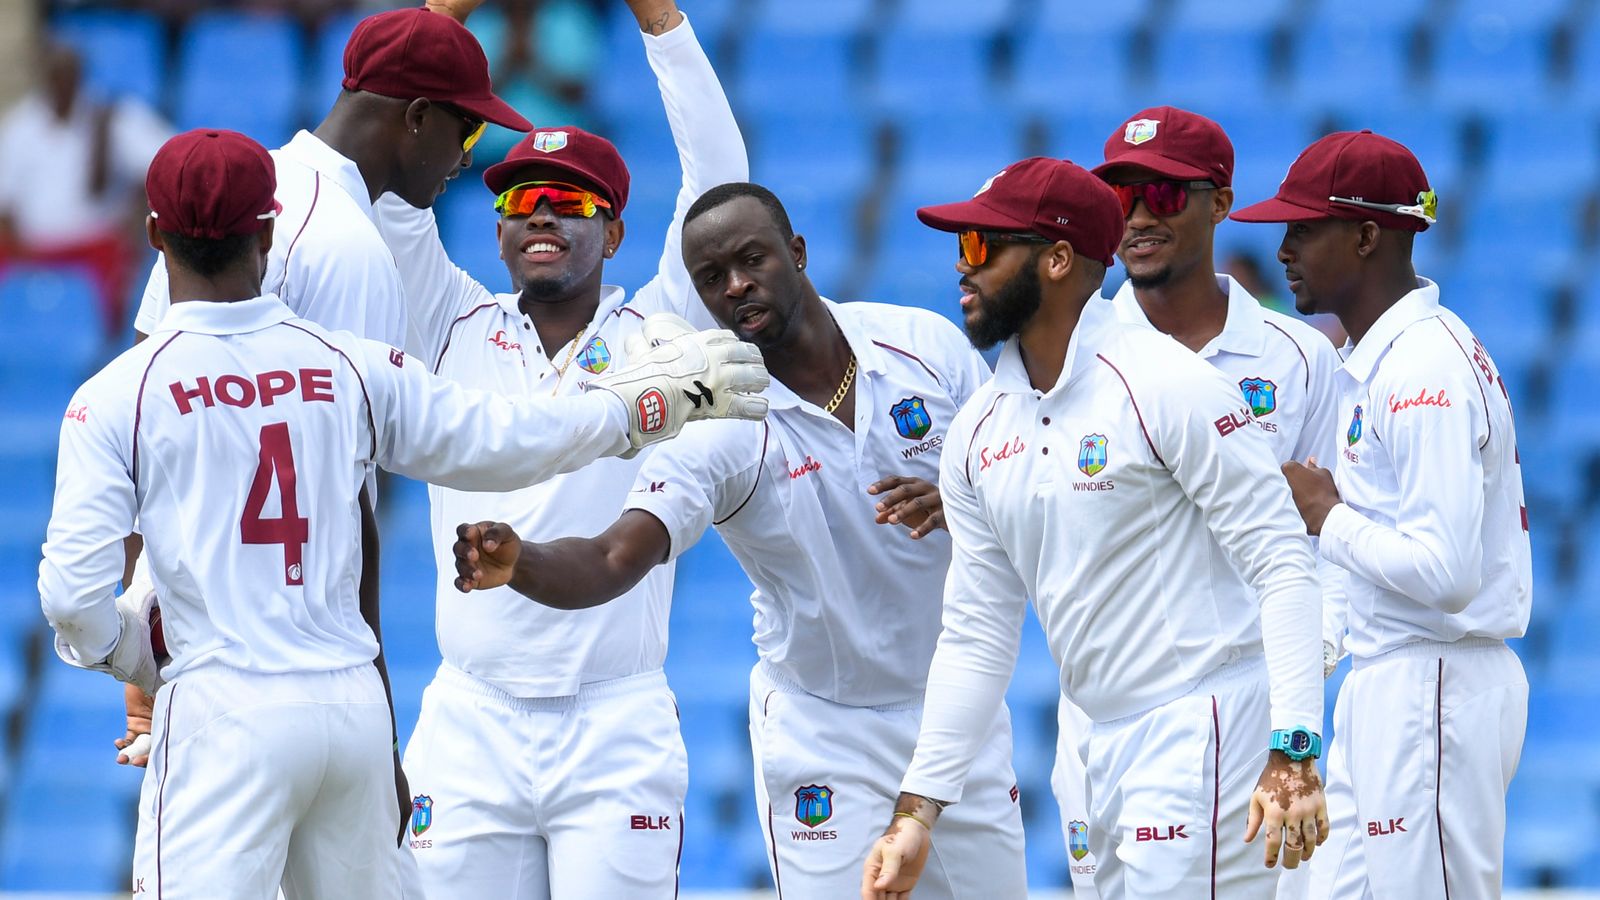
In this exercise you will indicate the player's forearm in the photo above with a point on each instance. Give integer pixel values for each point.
(1425, 568)
(577, 573)
(710, 147)
(1291, 639)
(655, 16)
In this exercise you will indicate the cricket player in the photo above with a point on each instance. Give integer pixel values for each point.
(1115, 478)
(241, 436)
(330, 264)
(548, 737)
(1173, 172)
(1425, 510)
(846, 609)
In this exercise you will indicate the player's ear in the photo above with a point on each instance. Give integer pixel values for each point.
(797, 250)
(153, 234)
(1368, 234)
(264, 237)
(614, 233)
(1221, 204)
(415, 111)
(1058, 261)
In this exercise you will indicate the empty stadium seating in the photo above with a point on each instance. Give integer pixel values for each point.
(857, 112)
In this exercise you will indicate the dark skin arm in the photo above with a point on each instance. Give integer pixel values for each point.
(570, 573)
(368, 595)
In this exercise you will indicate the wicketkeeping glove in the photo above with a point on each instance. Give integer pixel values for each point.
(132, 660)
(678, 375)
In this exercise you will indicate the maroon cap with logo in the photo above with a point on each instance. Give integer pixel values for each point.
(1051, 198)
(412, 53)
(1171, 143)
(212, 184)
(1355, 175)
(570, 149)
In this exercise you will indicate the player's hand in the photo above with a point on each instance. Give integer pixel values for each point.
(1288, 801)
(677, 375)
(486, 555)
(402, 790)
(140, 708)
(911, 502)
(1314, 492)
(455, 9)
(896, 860)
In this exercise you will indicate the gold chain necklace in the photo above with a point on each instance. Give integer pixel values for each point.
(844, 386)
(572, 352)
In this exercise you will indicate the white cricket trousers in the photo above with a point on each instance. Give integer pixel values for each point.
(260, 781)
(532, 798)
(1426, 740)
(1169, 793)
(827, 778)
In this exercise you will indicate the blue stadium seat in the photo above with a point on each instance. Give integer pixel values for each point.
(215, 90)
(1531, 226)
(834, 154)
(815, 17)
(946, 157)
(955, 68)
(1489, 61)
(628, 86)
(1584, 79)
(51, 321)
(1079, 133)
(1120, 18)
(466, 216)
(803, 72)
(1062, 61)
(1345, 59)
(955, 17)
(1394, 15)
(1207, 64)
(1265, 141)
(1547, 819)
(77, 841)
(826, 217)
(121, 50)
(323, 83)
(1533, 13)
(1544, 148)
(713, 18)
(1232, 15)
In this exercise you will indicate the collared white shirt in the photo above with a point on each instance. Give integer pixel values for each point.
(328, 262)
(1433, 526)
(240, 436)
(484, 340)
(845, 608)
(1284, 369)
(45, 167)
(1140, 507)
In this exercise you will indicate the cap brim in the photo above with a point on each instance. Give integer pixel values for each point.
(969, 214)
(493, 109)
(1150, 161)
(1278, 210)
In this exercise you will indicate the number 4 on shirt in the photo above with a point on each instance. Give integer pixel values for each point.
(288, 529)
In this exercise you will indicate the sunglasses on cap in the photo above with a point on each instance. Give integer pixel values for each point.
(477, 126)
(565, 199)
(975, 244)
(1426, 207)
(1161, 198)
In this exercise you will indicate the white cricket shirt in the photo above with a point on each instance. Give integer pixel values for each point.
(845, 608)
(1142, 509)
(240, 436)
(1433, 527)
(328, 262)
(483, 340)
(1284, 369)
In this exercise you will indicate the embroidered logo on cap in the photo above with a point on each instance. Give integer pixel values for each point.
(549, 141)
(1140, 130)
(990, 183)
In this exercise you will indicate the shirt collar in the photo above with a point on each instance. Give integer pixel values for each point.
(1244, 332)
(1421, 303)
(312, 152)
(236, 317)
(1011, 376)
(869, 358)
(612, 298)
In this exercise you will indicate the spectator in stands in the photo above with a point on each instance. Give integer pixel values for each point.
(72, 168)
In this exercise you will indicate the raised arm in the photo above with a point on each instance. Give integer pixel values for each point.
(710, 147)
(570, 573)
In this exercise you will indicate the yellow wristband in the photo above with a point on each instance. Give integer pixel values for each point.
(913, 817)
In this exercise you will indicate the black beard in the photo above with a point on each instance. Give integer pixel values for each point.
(1000, 318)
(1150, 281)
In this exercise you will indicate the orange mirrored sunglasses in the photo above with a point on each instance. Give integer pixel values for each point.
(565, 199)
(975, 244)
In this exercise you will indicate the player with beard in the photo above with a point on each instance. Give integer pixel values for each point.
(847, 611)
(548, 741)
(1173, 172)
(1112, 476)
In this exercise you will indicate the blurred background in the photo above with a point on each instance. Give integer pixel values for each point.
(855, 113)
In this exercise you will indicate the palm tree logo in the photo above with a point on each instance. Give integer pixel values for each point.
(813, 804)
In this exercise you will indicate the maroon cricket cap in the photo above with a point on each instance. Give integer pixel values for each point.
(570, 149)
(1172, 143)
(1350, 165)
(212, 184)
(412, 53)
(1052, 198)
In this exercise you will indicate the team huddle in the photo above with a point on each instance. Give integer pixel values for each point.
(1146, 471)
